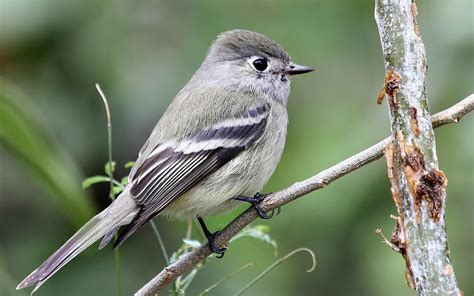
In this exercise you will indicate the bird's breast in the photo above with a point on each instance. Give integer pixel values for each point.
(245, 175)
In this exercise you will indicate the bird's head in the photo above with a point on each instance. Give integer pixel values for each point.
(250, 61)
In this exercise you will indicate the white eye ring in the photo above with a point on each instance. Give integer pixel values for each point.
(259, 64)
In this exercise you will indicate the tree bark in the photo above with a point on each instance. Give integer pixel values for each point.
(418, 185)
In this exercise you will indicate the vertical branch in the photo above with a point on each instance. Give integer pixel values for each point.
(418, 186)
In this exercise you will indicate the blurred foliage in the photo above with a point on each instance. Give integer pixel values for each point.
(143, 52)
(50, 167)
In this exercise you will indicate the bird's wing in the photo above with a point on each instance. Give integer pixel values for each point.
(174, 167)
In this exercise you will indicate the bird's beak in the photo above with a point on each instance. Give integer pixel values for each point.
(295, 69)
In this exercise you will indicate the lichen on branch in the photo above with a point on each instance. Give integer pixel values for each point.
(418, 185)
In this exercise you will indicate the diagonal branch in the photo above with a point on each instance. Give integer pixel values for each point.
(274, 200)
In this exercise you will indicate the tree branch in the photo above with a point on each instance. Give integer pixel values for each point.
(289, 194)
(418, 185)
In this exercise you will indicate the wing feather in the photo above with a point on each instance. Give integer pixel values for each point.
(174, 167)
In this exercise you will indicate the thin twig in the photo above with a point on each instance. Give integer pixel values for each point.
(117, 272)
(110, 173)
(385, 240)
(189, 228)
(109, 139)
(455, 112)
(160, 241)
(275, 264)
(189, 278)
(289, 194)
(207, 290)
(201, 237)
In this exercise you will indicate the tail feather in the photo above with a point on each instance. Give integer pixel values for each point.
(108, 237)
(110, 219)
(112, 232)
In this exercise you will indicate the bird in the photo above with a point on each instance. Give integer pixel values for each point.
(215, 146)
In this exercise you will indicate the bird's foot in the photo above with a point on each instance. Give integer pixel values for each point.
(255, 202)
(214, 247)
(211, 239)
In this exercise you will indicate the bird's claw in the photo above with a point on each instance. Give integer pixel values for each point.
(214, 248)
(255, 202)
(261, 213)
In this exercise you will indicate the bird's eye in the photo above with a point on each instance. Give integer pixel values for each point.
(260, 64)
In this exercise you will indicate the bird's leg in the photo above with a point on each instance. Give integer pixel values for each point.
(211, 239)
(255, 202)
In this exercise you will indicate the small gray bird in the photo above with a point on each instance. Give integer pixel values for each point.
(217, 144)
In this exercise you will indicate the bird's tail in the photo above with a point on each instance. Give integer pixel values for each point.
(118, 213)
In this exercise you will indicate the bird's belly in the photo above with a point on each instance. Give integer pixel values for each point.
(245, 175)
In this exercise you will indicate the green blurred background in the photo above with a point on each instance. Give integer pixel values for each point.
(53, 134)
